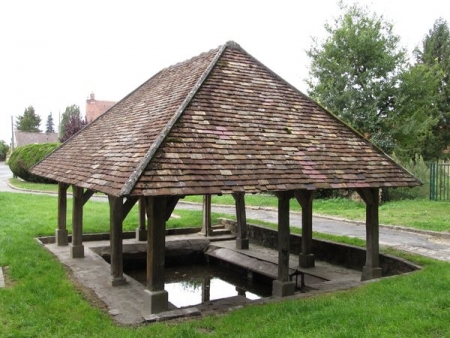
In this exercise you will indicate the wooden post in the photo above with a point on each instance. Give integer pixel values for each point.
(372, 268)
(115, 220)
(206, 226)
(206, 289)
(77, 248)
(242, 236)
(156, 298)
(305, 199)
(141, 233)
(61, 235)
(282, 286)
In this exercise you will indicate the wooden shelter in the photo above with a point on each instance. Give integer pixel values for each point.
(219, 123)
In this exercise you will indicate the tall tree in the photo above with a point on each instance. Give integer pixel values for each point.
(70, 111)
(435, 57)
(29, 121)
(416, 114)
(353, 73)
(50, 125)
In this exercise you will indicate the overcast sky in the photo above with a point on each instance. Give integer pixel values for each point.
(55, 53)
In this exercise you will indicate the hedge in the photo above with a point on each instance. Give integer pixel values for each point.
(23, 158)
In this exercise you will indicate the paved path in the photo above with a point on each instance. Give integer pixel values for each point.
(427, 244)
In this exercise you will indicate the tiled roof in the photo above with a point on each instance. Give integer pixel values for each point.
(218, 123)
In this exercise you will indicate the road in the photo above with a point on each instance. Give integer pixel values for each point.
(423, 243)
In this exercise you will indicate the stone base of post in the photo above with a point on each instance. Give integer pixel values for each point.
(116, 281)
(306, 261)
(61, 237)
(141, 234)
(77, 251)
(242, 243)
(370, 273)
(156, 301)
(282, 289)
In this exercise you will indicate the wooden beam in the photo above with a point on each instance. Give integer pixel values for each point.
(282, 286)
(141, 232)
(242, 241)
(171, 204)
(206, 225)
(128, 205)
(156, 209)
(116, 216)
(87, 195)
(156, 298)
(372, 268)
(305, 199)
(61, 235)
(77, 248)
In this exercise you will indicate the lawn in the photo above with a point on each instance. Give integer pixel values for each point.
(41, 301)
(418, 214)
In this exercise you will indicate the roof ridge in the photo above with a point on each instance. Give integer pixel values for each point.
(129, 184)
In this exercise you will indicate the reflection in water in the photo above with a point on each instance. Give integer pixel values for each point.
(196, 284)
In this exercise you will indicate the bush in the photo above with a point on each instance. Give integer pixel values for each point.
(23, 158)
(4, 148)
(421, 170)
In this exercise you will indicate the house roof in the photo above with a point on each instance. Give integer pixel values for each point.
(23, 137)
(95, 108)
(220, 122)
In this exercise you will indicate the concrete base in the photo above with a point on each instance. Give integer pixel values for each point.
(156, 301)
(242, 243)
(370, 273)
(116, 281)
(77, 251)
(141, 235)
(306, 261)
(282, 289)
(61, 237)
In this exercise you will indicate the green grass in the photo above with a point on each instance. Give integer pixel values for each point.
(21, 184)
(40, 300)
(418, 214)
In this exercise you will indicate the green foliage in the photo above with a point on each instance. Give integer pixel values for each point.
(71, 111)
(23, 158)
(417, 114)
(41, 300)
(29, 121)
(49, 126)
(73, 126)
(353, 73)
(419, 168)
(435, 57)
(4, 149)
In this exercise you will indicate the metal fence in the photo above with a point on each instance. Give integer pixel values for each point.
(440, 181)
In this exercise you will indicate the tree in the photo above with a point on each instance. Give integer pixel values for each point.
(73, 126)
(434, 56)
(416, 114)
(29, 121)
(4, 148)
(49, 124)
(353, 73)
(72, 110)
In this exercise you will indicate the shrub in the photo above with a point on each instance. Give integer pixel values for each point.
(4, 148)
(23, 158)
